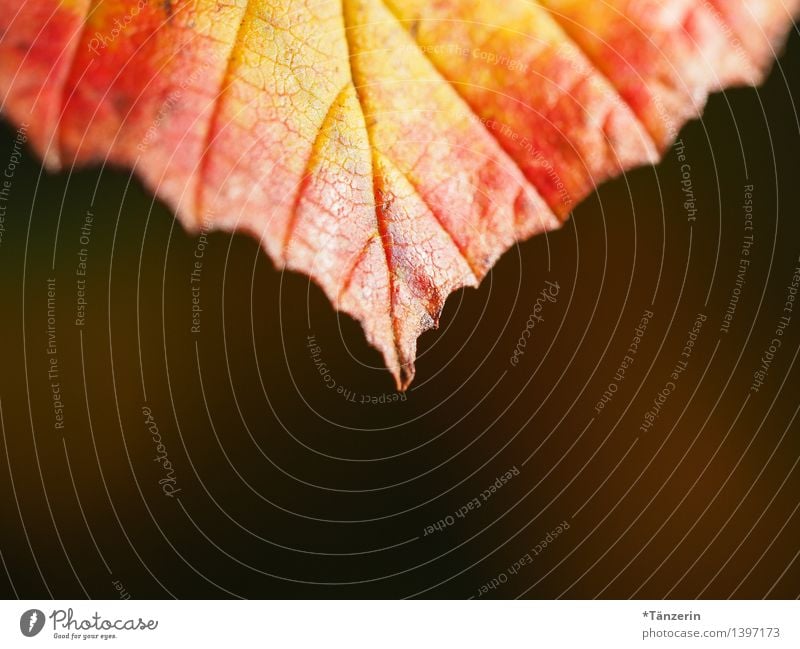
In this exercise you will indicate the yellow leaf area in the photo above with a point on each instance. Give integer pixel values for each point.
(392, 150)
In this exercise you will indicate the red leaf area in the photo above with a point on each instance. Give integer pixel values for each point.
(392, 150)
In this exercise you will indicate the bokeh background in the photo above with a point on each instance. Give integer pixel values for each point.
(297, 471)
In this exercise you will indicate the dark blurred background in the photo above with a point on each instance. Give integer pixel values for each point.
(284, 483)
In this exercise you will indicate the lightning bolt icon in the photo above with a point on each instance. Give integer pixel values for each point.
(32, 620)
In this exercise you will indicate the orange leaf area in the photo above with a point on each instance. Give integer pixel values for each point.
(392, 150)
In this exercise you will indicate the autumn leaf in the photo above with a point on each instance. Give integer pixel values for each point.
(390, 149)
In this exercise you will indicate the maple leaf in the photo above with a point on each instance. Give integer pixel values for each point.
(390, 149)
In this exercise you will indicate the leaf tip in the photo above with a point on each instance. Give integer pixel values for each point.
(403, 376)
